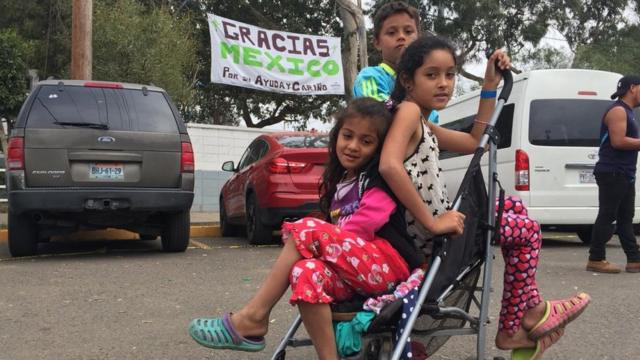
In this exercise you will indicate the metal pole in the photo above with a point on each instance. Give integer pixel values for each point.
(486, 280)
(289, 335)
(416, 311)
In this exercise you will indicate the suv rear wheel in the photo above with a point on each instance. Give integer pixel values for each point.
(257, 232)
(23, 235)
(175, 236)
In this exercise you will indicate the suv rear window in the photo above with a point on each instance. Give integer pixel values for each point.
(567, 122)
(304, 141)
(115, 109)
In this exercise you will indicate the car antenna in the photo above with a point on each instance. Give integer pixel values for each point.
(145, 91)
(60, 86)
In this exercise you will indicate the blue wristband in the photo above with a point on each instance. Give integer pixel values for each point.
(488, 94)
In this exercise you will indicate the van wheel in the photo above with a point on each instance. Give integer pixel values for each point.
(257, 232)
(226, 229)
(23, 235)
(175, 236)
(585, 234)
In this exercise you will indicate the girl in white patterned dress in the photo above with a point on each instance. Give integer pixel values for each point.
(409, 164)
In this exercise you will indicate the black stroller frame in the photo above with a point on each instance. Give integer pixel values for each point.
(446, 298)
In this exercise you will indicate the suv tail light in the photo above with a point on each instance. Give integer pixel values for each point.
(522, 170)
(282, 166)
(15, 156)
(187, 162)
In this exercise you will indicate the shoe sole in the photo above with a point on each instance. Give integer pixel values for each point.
(632, 270)
(605, 271)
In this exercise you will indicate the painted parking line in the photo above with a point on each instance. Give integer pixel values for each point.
(246, 246)
(198, 245)
(41, 256)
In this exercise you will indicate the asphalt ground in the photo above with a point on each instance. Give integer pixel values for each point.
(128, 300)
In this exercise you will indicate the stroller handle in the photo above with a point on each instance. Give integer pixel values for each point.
(507, 78)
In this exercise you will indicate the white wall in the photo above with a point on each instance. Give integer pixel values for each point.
(213, 145)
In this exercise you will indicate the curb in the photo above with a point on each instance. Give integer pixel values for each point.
(196, 231)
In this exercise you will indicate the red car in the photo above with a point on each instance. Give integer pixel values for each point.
(277, 178)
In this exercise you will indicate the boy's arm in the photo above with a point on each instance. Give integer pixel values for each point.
(375, 208)
(367, 85)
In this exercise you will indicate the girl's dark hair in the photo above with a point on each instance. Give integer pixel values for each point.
(389, 9)
(368, 108)
(413, 57)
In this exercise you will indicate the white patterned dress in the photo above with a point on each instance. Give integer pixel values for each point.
(423, 167)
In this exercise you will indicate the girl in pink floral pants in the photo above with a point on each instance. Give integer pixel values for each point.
(326, 262)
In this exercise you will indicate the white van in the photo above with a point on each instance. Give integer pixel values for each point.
(550, 130)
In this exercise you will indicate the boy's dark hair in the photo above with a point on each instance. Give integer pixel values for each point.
(390, 9)
(413, 58)
(369, 108)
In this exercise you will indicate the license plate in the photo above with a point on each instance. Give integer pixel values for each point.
(106, 171)
(587, 177)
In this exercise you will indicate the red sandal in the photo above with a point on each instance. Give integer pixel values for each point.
(558, 314)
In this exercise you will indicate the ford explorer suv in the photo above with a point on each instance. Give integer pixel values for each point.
(92, 155)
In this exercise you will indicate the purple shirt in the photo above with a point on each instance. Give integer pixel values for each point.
(361, 216)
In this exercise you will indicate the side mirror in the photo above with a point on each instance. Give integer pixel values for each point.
(228, 166)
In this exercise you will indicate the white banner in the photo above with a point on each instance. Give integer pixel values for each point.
(277, 61)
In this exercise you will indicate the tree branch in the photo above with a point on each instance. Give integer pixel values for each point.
(246, 113)
(470, 76)
(260, 18)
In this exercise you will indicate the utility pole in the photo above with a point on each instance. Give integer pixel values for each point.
(81, 49)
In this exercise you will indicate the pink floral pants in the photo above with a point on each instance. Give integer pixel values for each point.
(337, 264)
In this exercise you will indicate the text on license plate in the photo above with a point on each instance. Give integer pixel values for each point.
(587, 177)
(106, 171)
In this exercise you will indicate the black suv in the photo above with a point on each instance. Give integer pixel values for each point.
(92, 155)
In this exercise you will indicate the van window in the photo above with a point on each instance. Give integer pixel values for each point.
(116, 109)
(567, 122)
(504, 125)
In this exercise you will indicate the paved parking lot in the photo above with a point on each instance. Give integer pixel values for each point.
(128, 300)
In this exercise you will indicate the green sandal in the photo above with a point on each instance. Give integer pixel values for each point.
(542, 345)
(218, 333)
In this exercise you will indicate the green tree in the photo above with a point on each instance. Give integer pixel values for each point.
(132, 43)
(519, 26)
(46, 25)
(619, 53)
(13, 73)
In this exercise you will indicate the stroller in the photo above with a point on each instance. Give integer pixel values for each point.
(450, 287)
